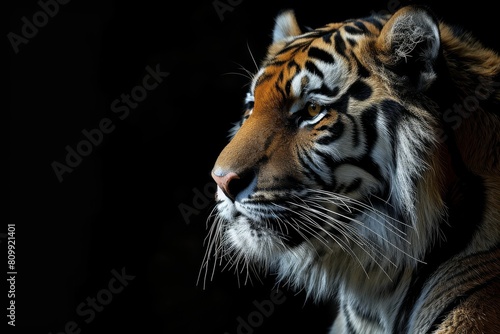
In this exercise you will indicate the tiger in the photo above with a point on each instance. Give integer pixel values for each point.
(365, 171)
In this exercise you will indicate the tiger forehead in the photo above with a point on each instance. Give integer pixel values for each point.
(325, 44)
(336, 35)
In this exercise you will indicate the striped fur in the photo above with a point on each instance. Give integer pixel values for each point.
(366, 169)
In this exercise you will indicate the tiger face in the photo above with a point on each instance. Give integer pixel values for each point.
(336, 178)
(314, 170)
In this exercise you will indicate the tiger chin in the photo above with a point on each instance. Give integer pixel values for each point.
(366, 170)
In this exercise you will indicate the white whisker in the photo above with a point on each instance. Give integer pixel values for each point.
(253, 58)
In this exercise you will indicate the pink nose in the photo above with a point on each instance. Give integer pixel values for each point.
(223, 180)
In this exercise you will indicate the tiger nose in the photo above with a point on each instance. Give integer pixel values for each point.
(224, 181)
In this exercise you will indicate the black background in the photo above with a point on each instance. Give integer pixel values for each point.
(119, 207)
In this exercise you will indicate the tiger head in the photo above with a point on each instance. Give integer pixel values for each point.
(333, 171)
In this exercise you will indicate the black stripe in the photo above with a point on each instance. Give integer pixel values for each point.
(359, 28)
(320, 54)
(375, 22)
(279, 90)
(360, 90)
(353, 30)
(295, 46)
(327, 38)
(341, 104)
(340, 46)
(263, 78)
(314, 69)
(293, 64)
(288, 86)
(362, 71)
(335, 131)
(369, 128)
(284, 50)
(355, 130)
(280, 77)
(367, 164)
(325, 90)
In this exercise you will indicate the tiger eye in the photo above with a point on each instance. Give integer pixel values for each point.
(313, 109)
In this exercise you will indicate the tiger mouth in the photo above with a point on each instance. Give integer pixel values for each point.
(275, 228)
(289, 223)
(315, 217)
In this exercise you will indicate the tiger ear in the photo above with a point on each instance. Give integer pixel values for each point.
(409, 45)
(285, 26)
